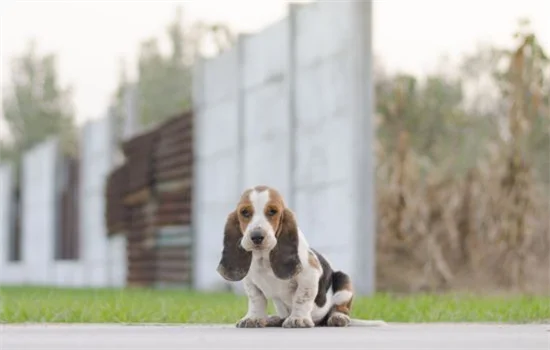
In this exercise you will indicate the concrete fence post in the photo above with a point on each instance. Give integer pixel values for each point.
(364, 137)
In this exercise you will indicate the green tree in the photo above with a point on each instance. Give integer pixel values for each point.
(164, 82)
(5, 151)
(117, 103)
(447, 127)
(36, 106)
(520, 108)
(525, 85)
(430, 112)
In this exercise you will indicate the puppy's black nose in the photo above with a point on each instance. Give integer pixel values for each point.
(257, 236)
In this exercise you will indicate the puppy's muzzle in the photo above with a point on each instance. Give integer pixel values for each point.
(257, 237)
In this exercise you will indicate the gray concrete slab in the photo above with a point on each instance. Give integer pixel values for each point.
(391, 336)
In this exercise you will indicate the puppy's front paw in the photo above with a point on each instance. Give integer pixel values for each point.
(250, 322)
(298, 322)
(338, 319)
(274, 321)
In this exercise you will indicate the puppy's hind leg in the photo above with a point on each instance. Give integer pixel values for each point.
(339, 315)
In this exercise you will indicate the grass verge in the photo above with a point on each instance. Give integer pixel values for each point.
(30, 304)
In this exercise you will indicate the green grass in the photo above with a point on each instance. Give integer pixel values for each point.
(29, 304)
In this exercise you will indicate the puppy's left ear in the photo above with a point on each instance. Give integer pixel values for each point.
(235, 261)
(284, 257)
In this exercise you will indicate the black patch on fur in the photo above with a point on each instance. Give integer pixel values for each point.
(325, 281)
(339, 281)
(235, 261)
(284, 259)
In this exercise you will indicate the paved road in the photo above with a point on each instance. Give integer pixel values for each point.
(182, 337)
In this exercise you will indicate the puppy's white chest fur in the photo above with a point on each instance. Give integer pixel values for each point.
(263, 277)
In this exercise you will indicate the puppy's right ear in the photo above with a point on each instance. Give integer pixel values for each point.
(235, 261)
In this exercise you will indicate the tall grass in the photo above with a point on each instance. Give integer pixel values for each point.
(487, 230)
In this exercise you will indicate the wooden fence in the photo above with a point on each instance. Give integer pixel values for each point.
(149, 200)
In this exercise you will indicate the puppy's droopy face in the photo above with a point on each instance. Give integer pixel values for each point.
(260, 213)
(261, 222)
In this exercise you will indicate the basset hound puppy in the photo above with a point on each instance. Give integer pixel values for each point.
(264, 247)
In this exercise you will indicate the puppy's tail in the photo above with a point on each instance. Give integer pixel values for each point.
(354, 322)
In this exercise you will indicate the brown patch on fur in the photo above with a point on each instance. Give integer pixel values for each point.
(261, 188)
(244, 205)
(313, 261)
(344, 308)
(273, 210)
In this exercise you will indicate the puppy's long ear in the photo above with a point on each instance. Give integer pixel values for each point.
(284, 257)
(235, 261)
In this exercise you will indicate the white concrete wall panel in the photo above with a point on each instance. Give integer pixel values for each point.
(221, 121)
(324, 130)
(94, 166)
(117, 261)
(266, 139)
(39, 212)
(265, 55)
(219, 78)
(6, 188)
(216, 161)
(96, 163)
(10, 272)
(323, 29)
(69, 274)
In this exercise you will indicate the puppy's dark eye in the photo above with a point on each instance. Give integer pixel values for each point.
(272, 212)
(245, 213)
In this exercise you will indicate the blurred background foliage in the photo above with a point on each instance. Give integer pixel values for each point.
(463, 182)
(463, 162)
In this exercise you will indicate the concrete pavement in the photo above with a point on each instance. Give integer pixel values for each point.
(392, 336)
